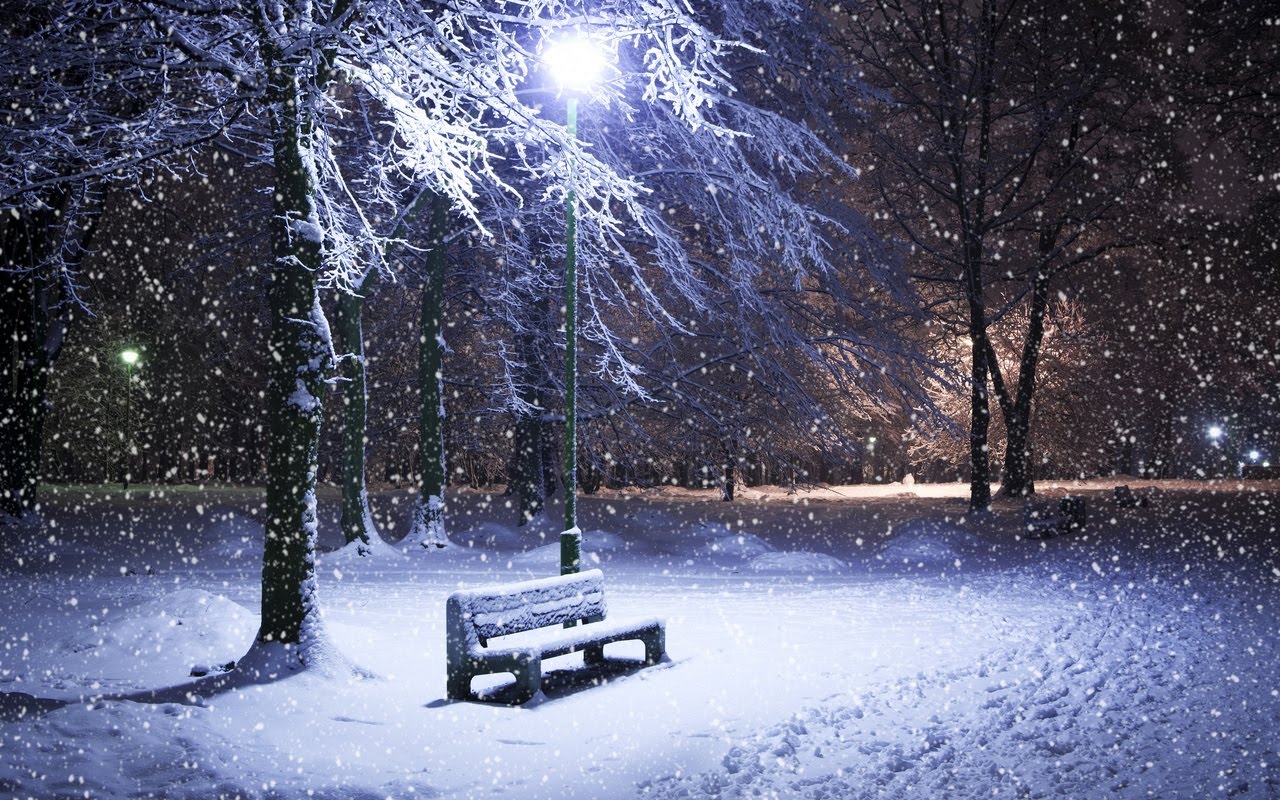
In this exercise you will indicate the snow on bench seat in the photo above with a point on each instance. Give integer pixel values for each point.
(475, 617)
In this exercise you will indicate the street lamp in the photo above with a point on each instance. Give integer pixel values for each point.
(575, 63)
(1215, 432)
(130, 357)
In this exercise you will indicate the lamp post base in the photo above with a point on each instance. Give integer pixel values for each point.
(570, 551)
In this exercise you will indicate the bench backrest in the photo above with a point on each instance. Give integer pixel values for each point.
(485, 612)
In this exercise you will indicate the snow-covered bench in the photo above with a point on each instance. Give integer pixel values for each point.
(475, 617)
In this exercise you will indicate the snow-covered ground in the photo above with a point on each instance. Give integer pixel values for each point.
(843, 643)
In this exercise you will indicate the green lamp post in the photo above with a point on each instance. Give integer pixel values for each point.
(575, 63)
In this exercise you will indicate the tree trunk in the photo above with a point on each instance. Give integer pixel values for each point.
(428, 527)
(979, 401)
(727, 490)
(357, 520)
(552, 474)
(1018, 480)
(301, 352)
(528, 474)
(33, 335)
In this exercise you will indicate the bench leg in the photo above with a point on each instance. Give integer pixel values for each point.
(655, 645)
(593, 654)
(528, 679)
(459, 686)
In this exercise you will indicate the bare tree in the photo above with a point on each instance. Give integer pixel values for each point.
(1000, 156)
(87, 106)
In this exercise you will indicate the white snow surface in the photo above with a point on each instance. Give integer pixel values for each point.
(844, 642)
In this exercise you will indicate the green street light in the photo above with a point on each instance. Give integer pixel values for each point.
(575, 63)
(130, 357)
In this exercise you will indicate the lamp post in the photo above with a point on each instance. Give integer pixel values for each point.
(575, 63)
(130, 357)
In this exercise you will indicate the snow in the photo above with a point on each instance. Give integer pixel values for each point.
(172, 633)
(847, 642)
(802, 562)
(302, 397)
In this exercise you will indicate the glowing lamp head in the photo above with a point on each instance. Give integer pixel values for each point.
(129, 357)
(1254, 455)
(576, 62)
(1215, 431)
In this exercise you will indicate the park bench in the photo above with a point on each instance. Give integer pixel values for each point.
(475, 618)
(1043, 522)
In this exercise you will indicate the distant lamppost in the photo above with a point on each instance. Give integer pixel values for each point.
(129, 357)
(576, 64)
(1215, 433)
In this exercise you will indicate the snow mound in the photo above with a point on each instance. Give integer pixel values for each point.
(31, 521)
(801, 561)
(354, 554)
(491, 535)
(233, 535)
(928, 542)
(169, 634)
(741, 545)
(597, 546)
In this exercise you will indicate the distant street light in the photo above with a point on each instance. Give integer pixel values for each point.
(129, 357)
(1215, 432)
(1254, 455)
(576, 64)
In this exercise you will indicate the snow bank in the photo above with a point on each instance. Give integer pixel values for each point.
(165, 636)
(233, 535)
(598, 547)
(925, 543)
(491, 535)
(800, 562)
(740, 545)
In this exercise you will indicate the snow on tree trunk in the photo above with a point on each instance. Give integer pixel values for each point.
(291, 630)
(428, 528)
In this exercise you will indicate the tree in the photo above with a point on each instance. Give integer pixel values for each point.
(427, 529)
(87, 105)
(42, 248)
(1001, 159)
(450, 104)
(701, 284)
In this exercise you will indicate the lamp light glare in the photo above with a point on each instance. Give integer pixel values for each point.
(1254, 455)
(1215, 431)
(576, 62)
(129, 357)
